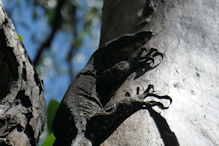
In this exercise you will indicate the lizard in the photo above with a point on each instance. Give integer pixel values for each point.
(82, 118)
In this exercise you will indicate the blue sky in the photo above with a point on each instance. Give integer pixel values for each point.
(55, 84)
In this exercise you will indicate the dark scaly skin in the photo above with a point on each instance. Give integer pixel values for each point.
(81, 118)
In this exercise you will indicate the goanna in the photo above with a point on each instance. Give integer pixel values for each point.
(82, 118)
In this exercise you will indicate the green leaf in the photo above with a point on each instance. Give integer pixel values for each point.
(20, 38)
(51, 111)
(49, 140)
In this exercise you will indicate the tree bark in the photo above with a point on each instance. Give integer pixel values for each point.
(22, 103)
(186, 32)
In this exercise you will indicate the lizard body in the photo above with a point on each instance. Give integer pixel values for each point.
(82, 118)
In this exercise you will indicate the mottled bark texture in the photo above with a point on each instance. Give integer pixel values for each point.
(186, 31)
(22, 103)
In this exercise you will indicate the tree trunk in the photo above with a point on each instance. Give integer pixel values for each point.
(22, 103)
(186, 32)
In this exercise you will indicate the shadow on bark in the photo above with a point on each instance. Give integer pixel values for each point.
(169, 138)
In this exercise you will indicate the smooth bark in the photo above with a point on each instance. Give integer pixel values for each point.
(186, 31)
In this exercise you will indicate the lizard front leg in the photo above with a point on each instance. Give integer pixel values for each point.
(102, 125)
(111, 78)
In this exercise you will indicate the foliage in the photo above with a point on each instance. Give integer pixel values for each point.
(49, 140)
(21, 38)
(51, 111)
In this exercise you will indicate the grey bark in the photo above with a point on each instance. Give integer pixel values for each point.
(90, 114)
(22, 103)
(186, 31)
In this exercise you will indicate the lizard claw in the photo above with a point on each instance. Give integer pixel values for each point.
(149, 58)
(150, 86)
(151, 99)
(154, 103)
(160, 101)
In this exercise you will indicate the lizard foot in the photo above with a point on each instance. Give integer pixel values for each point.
(151, 99)
(145, 57)
(146, 61)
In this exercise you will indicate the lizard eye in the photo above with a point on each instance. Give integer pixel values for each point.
(127, 94)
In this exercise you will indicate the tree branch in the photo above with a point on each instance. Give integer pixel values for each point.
(55, 26)
(23, 106)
